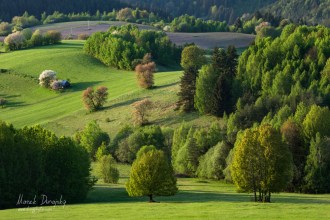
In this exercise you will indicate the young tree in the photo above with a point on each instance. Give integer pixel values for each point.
(318, 165)
(192, 57)
(205, 101)
(3, 102)
(145, 74)
(186, 161)
(94, 100)
(261, 162)
(92, 137)
(107, 169)
(141, 111)
(151, 175)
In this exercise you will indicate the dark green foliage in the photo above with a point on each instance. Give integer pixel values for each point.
(302, 11)
(144, 136)
(121, 135)
(92, 137)
(317, 166)
(187, 90)
(186, 23)
(213, 163)
(293, 135)
(33, 161)
(192, 59)
(151, 175)
(9, 9)
(107, 169)
(215, 92)
(120, 46)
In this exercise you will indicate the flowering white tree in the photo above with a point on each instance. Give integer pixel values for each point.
(46, 78)
(15, 40)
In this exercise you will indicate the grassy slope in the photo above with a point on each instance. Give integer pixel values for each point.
(195, 200)
(63, 112)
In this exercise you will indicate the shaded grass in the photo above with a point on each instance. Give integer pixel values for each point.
(195, 200)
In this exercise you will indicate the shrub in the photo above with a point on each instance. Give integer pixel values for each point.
(3, 102)
(141, 111)
(92, 137)
(83, 36)
(107, 169)
(52, 37)
(14, 41)
(5, 28)
(46, 78)
(101, 151)
(36, 38)
(94, 100)
(144, 150)
(145, 74)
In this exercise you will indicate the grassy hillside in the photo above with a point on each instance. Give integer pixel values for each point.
(196, 200)
(28, 104)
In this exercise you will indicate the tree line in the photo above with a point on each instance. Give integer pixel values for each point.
(124, 47)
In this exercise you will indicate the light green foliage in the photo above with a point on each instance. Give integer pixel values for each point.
(120, 46)
(179, 139)
(144, 150)
(186, 23)
(151, 175)
(92, 137)
(205, 87)
(101, 151)
(261, 162)
(213, 163)
(107, 169)
(317, 121)
(192, 57)
(317, 166)
(186, 161)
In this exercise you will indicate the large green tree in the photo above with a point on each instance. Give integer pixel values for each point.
(262, 163)
(151, 175)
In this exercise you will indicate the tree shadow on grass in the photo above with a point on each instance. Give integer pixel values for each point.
(117, 194)
(121, 104)
(166, 85)
(80, 86)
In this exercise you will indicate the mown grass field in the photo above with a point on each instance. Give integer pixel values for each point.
(64, 113)
(196, 200)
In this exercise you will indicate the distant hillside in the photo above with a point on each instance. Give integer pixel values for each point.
(309, 11)
(11, 8)
(227, 10)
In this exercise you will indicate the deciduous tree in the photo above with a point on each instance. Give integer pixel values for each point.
(151, 175)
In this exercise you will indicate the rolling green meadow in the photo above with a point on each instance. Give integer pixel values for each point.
(64, 114)
(196, 199)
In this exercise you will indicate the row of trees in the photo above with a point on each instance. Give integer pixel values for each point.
(27, 39)
(34, 162)
(124, 47)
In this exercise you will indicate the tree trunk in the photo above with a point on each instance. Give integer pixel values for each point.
(151, 199)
